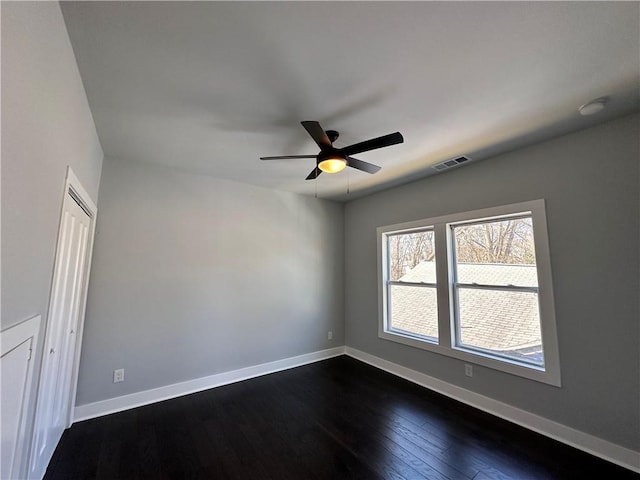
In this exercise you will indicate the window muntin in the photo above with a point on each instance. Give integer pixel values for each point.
(459, 288)
(412, 307)
(495, 289)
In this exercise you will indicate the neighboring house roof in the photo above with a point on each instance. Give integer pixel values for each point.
(506, 322)
(483, 273)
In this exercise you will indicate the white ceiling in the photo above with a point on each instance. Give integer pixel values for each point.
(210, 86)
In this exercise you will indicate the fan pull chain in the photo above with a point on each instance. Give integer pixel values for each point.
(315, 182)
(348, 182)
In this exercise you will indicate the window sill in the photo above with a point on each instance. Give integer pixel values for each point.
(539, 374)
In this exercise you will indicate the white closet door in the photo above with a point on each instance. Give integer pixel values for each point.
(61, 347)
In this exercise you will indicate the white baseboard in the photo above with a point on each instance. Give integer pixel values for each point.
(596, 446)
(583, 441)
(138, 399)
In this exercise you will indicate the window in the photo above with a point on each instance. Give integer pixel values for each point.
(411, 288)
(474, 286)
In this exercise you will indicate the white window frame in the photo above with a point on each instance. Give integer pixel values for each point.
(389, 283)
(550, 373)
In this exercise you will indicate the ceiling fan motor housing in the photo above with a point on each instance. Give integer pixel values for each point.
(329, 153)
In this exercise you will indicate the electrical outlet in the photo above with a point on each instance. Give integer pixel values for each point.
(118, 375)
(468, 370)
(329, 335)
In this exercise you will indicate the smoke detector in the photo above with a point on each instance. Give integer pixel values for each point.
(594, 106)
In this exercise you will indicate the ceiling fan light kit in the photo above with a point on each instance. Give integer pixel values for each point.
(334, 160)
(332, 164)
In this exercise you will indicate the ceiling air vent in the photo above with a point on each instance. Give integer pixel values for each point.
(454, 162)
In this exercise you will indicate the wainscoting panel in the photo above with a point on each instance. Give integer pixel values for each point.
(16, 365)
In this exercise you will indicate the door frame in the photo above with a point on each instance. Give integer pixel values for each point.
(73, 192)
(72, 184)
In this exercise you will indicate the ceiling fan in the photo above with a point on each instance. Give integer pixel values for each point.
(332, 159)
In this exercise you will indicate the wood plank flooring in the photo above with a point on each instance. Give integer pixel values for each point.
(335, 419)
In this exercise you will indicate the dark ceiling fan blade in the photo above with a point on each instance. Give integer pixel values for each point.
(364, 166)
(285, 157)
(318, 134)
(374, 143)
(314, 174)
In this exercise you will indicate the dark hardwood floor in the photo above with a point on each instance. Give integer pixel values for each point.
(336, 419)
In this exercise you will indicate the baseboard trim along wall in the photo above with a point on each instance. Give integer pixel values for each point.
(583, 441)
(146, 397)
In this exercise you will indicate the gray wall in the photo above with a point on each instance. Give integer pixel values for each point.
(590, 182)
(46, 125)
(194, 276)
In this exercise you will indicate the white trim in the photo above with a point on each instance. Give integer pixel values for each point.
(72, 183)
(26, 331)
(604, 449)
(19, 333)
(138, 399)
(445, 344)
(73, 192)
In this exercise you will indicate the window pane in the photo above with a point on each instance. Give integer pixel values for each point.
(408, 250)
(496, 253)
(414, 310)
(500, 322)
